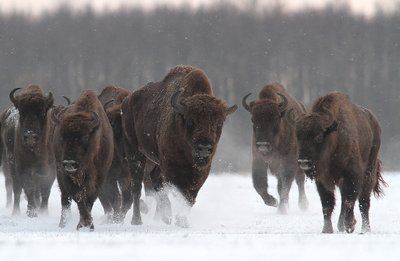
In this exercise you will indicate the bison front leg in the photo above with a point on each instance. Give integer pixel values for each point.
(137, 164)
(284, 184)
(163, 209)
(328, 203)
(65, 209)
(17, 189)
(86, 219)
(300, 181)
(9, 190)
(260, 181)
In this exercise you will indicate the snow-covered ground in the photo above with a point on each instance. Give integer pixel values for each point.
(228, 222)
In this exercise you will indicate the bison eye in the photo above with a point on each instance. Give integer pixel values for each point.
(319, 138)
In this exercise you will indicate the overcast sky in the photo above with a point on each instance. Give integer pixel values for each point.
(37, 6)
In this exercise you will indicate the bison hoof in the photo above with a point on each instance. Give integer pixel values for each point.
(365, 229)
(303, 204)
(283, 209)
(80, 225)
(136, 221)
(181, 221)
(350, 230)
(31, 214)
(327, 229)
(270, 201)
(166, 220)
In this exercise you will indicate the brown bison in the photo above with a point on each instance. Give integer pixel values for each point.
(338, 145)
(25, 132)
(118, 177)
(175, 125)
(83, 146)
(275, 145)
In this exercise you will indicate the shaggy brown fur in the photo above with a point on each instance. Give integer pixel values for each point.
(26, 131)
(275, 145)
(83, 146)
(115, 203)
(175, 124)
(339, 145)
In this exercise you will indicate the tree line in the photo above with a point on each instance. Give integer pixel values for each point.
(311, 52)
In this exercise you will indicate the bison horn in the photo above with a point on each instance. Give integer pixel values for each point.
(12, 98)
(175, 102)
(245, 105)
(55, 117)
(67, 99)
(108, 102)
(291, 118)
(284, 104)
(231, 109)
(96, 120)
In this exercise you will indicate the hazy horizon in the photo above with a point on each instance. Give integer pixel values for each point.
(365, 7)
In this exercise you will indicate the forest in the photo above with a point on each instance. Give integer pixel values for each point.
(311, 52)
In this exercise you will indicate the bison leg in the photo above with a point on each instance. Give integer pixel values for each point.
(300, 180)
(9, 190)
(284, 184)
(86, 219)
(163, 209)
(349, 196)
(127, 200)
(260, 182)
(65, 209)
(137, 164)
(328, 203)
(45, 188)
(17, 187)
(364, 204)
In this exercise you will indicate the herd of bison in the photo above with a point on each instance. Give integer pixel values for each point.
(109, 145)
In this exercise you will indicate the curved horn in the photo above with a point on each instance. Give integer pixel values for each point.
(175, 102)
(12, 98)
(67, 99)
(245, 105)
(231, 110)
(284, 104)
(96, 120)
(291, 118)
(55, 117)
(108, 102)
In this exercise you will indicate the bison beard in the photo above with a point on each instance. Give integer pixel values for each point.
(339, 146)
(26, 131)
(275, 145)
(83, 146)
(174, 126)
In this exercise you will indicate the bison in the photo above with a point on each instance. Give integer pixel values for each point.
(274, 145)
(83, 147)
(338, 145)
(118, 177)
(175, 126)
(25, 132)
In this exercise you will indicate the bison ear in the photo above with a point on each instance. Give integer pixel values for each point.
(331, 128)
(50, 100)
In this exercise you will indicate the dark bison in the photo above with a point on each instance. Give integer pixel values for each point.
(175, 124)
(25, 131)
(83, 146)
(339, 144)
(275, 145)
(115, 203)
(7, 137)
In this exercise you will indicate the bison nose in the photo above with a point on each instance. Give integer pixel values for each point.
(305, 164)
(264, 146)
(70, 166)
(204, 150)
(30, 138)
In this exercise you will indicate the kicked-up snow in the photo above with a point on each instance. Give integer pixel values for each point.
(228, 222)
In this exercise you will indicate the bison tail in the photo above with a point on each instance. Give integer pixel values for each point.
(378, 190)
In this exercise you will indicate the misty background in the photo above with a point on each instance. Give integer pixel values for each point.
(311, 52)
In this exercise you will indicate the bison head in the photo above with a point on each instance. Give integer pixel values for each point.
(266, 117)
(32, 106)
(77, 131)
(201, 118)
(313, 132)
